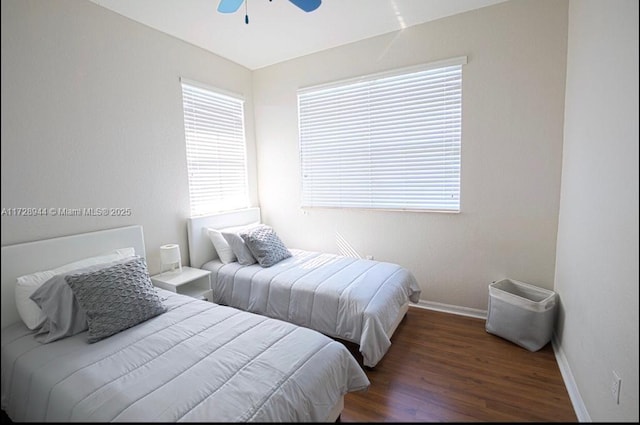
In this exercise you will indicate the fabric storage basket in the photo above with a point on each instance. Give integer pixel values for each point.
(521, 313)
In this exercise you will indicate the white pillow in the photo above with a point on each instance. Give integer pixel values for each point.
(30, 313)
(225, 253)
(235, 241)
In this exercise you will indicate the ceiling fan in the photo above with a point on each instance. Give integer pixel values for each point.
(230, 6)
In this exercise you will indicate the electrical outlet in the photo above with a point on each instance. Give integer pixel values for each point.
(616, 383)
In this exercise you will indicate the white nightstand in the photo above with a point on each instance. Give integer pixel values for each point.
(192, 282)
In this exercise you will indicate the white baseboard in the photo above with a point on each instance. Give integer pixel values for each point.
(569, 382)
(454, 309)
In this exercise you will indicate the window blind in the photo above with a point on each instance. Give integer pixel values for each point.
(388, 141)
(216, 152)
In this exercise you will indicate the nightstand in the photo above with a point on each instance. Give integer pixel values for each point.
(191, 282)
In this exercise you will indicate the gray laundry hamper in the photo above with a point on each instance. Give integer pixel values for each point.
(521, 313)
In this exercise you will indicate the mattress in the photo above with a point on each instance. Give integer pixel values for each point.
(352, 299)
(199, 361)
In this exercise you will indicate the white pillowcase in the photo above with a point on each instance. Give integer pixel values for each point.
(225, 253)
(32, 316)
(235, 241)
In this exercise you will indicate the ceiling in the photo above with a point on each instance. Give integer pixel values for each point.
(277, 29)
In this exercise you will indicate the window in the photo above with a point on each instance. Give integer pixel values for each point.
(216, 152)
(388, 141)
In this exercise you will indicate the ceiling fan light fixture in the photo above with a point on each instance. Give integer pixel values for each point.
(231, 6)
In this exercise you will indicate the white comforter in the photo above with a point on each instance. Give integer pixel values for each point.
(353, 299)
(197, 362)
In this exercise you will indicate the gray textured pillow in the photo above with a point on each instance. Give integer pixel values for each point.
(116, 298)
(63, 315)
(265, 245)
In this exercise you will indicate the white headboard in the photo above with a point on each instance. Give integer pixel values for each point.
(200, 247)
(30, 257)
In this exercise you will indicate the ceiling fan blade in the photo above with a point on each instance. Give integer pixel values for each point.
(229, 6)
(307, 5)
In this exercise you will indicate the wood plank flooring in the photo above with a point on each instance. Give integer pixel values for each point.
(446, 368)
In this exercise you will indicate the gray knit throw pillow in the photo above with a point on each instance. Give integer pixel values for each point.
(116, 298)
(265, 245)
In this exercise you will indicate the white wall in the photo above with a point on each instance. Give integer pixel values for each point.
(92, 117)
(513, 102)
(597, 251)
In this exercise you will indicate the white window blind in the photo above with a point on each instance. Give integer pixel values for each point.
(387, 141)
(216, 153)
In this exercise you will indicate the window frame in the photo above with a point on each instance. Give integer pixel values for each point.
(352, 85)
(230, 138)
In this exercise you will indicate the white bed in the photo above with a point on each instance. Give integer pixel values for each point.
(198, 361)
(357, 300)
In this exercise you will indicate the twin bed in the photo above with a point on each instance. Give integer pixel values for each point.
(357, 300)
(198, 361)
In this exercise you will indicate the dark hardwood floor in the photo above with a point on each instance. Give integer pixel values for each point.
(446, 368)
